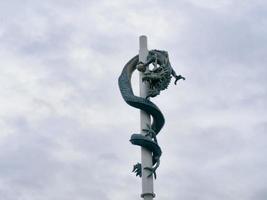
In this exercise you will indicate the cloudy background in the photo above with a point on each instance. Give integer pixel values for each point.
(65, 129)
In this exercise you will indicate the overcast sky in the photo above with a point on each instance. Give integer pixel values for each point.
(65, 128)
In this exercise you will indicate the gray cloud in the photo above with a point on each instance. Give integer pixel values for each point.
(65, 128)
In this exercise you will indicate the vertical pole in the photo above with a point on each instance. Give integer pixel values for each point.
(146, 156)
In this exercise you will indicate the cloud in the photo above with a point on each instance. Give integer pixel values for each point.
(65, 129)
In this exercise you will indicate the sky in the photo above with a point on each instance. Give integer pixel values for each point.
(65, 128)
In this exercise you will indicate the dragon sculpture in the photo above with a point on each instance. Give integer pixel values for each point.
(158, 78)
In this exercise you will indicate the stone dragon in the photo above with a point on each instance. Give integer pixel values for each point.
(158, 78)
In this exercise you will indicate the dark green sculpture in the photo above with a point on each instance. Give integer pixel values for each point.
(159, 78)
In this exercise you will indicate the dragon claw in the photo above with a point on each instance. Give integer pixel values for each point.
(177, 78)
(150, 132)
(152, 171)
(137, 169)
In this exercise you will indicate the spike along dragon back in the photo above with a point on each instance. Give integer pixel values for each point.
(158, 78)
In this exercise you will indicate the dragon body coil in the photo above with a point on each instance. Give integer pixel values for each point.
(159, 79)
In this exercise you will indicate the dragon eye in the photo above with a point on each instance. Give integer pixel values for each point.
(159, 69)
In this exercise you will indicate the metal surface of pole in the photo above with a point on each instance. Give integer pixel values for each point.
(146, 155)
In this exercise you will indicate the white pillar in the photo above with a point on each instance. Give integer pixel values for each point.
(146, 156)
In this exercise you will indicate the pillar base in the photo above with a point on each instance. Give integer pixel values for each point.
(148, 194)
